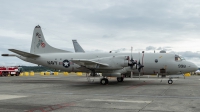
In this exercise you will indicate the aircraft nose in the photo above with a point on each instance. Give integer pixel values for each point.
(193, 67)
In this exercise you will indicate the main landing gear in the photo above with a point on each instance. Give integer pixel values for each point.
(170, 81)
(104, 81)
(120, 79)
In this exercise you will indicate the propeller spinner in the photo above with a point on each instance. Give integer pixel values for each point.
(132, 63)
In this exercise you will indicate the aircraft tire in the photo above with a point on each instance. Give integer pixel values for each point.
(120, 79)
(170, 81)
(104, 81)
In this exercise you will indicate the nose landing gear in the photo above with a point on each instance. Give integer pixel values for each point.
(170, 81)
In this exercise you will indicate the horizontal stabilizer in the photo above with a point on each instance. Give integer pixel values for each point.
(25, 54)
(84, 62)
(8, 55)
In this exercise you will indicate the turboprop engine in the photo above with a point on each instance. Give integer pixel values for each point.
(114, 62)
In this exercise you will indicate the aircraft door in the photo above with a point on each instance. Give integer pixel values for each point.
(163, 72)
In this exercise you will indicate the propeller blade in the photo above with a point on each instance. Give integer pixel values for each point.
(136, 65)
(139, 69)
(140, 66)
(132, 63)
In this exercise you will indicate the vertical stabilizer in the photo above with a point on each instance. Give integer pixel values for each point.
(39, 45)
(77, 47)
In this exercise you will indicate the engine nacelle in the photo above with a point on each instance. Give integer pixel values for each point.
(115, 61)
(121, 61)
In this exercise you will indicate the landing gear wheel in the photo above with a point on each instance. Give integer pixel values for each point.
(170, 81)
(120, 79)
(104, 81)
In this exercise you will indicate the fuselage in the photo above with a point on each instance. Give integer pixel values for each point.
(161, 63)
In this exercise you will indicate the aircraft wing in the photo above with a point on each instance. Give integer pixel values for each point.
(84, 62)
(25, 54)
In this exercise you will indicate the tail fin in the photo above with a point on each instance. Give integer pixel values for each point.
(39, 45)
(77, 47)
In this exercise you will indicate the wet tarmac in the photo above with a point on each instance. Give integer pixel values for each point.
(75, 94)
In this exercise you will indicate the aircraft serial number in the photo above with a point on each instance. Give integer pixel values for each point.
(181, 66)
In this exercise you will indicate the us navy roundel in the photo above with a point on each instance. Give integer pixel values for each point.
(66, 63)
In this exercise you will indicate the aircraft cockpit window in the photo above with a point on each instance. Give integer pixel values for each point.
(182, 58)
(179, 58)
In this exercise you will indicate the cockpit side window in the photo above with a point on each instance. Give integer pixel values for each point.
(177, 58)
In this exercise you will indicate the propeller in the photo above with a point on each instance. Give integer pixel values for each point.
(139, 65)
(132, 62)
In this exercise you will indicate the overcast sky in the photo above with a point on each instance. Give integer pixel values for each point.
(102, 26)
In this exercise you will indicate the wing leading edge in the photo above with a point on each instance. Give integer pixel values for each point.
(84, 62)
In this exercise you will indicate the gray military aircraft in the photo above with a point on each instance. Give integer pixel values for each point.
(78, 48)
(109, 64)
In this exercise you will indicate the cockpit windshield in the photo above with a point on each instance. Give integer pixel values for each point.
(182, 58)
(179, 58)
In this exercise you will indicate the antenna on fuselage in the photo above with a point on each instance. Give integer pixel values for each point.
(131, 62)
